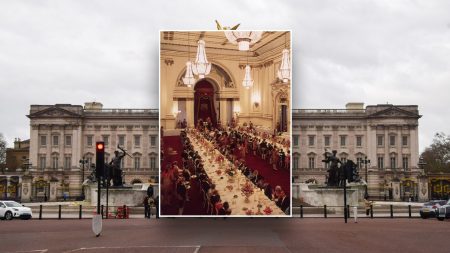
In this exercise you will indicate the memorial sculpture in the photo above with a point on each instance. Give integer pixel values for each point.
(338, 171)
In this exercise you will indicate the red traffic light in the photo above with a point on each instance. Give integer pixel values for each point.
(100, 146)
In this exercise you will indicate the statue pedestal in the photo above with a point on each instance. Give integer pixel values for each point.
(333, 197)
(118, 196)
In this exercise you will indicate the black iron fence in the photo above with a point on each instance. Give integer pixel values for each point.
(132, 212)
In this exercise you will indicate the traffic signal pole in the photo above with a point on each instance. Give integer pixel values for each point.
(100, 169)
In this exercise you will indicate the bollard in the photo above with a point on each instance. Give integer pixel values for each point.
(124, 211)
(348, 211)
(392, 211)
(325, 211)
(40, 212)
(371, 211)
(301, 211)
(80, 212)
(59, 212)
(355, 214)
(409, 210)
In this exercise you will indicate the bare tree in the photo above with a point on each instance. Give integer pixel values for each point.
(2, 149)
(437, 155)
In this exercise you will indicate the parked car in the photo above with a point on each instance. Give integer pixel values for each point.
(429, 208)
(443, 211)
(12, 209)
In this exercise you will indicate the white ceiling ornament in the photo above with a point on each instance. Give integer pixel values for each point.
(284, 73)
(201, 67)
(243, 38)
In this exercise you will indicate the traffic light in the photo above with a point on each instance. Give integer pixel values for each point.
(100, 159)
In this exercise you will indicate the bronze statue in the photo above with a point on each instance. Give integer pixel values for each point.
(113, 168)
(333, 171)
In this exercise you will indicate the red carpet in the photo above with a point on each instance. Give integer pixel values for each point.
(195, 205)
(274, 178)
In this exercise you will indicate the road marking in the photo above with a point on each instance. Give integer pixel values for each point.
(37, 250)
(197, 248)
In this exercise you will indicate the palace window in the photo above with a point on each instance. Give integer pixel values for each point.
(43, 140)
(359, 141)
(137, 163)
(311, 140)
(380, 140)
(327, 140)
(68, 140)
(67, 162)
(137, 140)
(55, 162)
(122, 140)
(295, 162)
(343, 140)
(106, 140)
(295, 137)
(380, 161)
(152, 141)
(311, 163)
(393, 162)
(405, 140)
(359, 162)
(405, 163)
(89, 141)
(42, 162)
(392, 140)
(152, 162)
(55, 140)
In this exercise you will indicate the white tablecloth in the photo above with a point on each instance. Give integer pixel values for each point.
(234, 196)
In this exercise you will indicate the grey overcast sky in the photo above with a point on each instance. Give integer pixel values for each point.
(107, 51)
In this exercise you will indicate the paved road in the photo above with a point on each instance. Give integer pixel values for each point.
(196, 235)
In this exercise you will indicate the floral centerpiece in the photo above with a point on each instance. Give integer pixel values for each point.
(230, 171)
(247, 191)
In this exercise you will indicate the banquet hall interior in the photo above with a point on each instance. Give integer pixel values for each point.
(225, 118)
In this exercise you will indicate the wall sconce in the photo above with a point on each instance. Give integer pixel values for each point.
(256, 104)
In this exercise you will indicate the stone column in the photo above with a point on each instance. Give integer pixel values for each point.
(396, 190)
(26, 188)
(53, 190)
(190, 112)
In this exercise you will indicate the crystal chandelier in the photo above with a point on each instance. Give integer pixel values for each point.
(188, 78)
(201, 67)
(248, 81)
(243, 38)
(284, 73)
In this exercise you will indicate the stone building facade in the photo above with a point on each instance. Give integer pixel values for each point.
(64, 135)
(385, 134)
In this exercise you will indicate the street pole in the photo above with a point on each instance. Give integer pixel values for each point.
(366, 193)
(345, 197)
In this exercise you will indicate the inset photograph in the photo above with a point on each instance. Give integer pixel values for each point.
(225, 117)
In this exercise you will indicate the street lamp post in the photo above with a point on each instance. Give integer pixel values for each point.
(365, 162)
(422, 174)
(83, 162)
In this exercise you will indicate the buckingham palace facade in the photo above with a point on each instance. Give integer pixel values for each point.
(385, 134)
(62, 147)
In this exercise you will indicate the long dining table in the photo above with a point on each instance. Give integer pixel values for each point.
(230, 187)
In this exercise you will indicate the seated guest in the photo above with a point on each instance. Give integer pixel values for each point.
(215, 197)
(254, 177)
(260, 183)
(268, 190)
(277, 193)
(283, 202)
(246, 171)
(225, 209)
